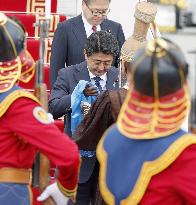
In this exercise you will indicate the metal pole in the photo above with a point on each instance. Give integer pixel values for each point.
(193, 100)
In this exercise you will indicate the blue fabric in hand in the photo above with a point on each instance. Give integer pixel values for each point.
(78, 97)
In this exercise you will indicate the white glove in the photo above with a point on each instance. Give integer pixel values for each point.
(53, 191)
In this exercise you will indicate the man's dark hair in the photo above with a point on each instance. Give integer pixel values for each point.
(102, 41)
(87, 2)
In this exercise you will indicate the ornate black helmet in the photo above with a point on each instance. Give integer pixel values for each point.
(15, 61)
(159, 101)
(159, 69)
(12, 39)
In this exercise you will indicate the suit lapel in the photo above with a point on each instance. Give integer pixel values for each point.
(82, 72)
(112, 80)
(105, 26)
(79, 30)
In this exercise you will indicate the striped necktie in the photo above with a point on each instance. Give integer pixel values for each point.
(97, 83)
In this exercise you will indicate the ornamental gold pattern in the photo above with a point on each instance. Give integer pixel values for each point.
(144, 117)
(9, 74)
(36, 6)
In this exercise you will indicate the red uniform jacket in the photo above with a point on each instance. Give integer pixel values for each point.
(25, 129)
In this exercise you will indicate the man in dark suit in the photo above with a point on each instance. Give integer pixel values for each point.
(100, 50)
(70, 36)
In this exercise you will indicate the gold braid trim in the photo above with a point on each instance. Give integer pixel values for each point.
(162, 113)
(160, 120)
(5, 104)
(133, 129)
(161, 105)
(11, 77)
(148, 170)
(102, 158)
(155, 124)
(138, 133)
(69, 193)
(28, 74)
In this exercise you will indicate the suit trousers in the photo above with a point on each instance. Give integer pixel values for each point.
(86, 194)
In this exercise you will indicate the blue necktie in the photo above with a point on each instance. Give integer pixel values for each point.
(97, 83)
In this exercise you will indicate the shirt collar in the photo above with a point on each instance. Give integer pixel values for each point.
(103, 77)
(87, 26)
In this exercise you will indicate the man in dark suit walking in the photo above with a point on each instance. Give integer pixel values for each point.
(100, 50)
(71, 35)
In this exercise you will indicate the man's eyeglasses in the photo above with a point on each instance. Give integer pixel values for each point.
(97, 63)
(98, 12)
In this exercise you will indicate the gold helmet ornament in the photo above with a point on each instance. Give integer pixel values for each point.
(159, 101)
(15, 62)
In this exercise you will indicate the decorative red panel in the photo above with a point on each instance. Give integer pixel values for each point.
(38, 6)
(54, 20)
(13, 5)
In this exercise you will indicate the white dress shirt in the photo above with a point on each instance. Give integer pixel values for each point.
(102, 81)
(88, 27)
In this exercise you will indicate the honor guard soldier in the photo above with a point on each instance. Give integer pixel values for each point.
(146, 158)
(26, 128)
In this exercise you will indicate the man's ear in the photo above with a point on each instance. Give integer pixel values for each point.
(85, 56)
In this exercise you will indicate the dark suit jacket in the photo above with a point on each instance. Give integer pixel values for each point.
(60, 101)
(69, 42)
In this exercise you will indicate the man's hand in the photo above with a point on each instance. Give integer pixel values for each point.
(90, 91)
(53, 191)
